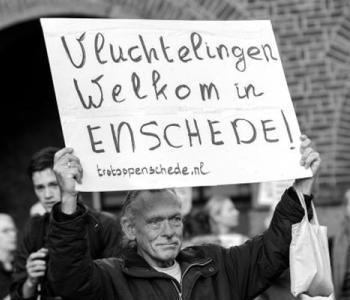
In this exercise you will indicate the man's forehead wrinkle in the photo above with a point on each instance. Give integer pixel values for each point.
(150, 205)
(161, 213)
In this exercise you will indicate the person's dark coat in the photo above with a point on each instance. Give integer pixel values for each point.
(5, 281)
(208, 272)
(104, 238)
(339, 256)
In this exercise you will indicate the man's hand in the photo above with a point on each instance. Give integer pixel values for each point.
(68, 171)
(36, 268)
(309, 159)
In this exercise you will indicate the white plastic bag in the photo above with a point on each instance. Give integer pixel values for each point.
(310, 270)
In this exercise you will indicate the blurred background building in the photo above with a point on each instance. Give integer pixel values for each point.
(314, 42)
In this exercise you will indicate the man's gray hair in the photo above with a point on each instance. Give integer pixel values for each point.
(128, 208)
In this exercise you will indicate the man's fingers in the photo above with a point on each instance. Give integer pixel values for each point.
(36, 274)
(73, 162)
(36, 268)
(68, 160)
(37, 262)
(37, 255)
(305, 143)
(312, 158)
(60, 153)
(68, 165)
(75, 172)
(305, 153)
(309, 157)
(303, 137)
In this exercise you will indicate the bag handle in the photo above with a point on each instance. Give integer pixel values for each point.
(315, 218)
(302, 200)
(303, 204)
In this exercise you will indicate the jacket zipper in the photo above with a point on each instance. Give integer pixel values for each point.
(179, 291)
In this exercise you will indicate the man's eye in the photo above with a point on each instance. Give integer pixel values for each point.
(155, 224)
(176, 221)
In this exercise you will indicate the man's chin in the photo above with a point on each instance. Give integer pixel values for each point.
(168, 253)
(49, 207)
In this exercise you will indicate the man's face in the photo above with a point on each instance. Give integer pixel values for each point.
(228, 214)
(158, 227)
(8, 234)
(46, 188)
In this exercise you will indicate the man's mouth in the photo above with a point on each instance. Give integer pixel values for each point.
(51, 203)
(173, 244)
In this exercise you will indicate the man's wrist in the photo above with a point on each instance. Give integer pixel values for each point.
(30, 283)
(29, 288)
(69, 203)
(304, 186)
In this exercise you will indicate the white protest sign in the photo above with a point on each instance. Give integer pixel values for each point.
(154, 104)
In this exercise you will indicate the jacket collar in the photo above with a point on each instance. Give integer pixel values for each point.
(134, 264)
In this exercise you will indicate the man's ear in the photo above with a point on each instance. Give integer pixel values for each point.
(128, 228)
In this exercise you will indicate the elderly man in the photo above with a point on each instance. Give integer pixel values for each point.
(155, 267)
(30, 260)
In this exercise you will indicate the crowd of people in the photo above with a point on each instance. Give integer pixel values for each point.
(156, 248)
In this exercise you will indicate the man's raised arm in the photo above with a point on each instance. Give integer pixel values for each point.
(70, 267)
(257, 263)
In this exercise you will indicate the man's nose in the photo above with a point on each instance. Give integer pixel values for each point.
(13, 234)
(47, 193)
(168, 229)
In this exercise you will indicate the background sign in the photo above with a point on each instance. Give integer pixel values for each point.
(154, 104)
(269, 193)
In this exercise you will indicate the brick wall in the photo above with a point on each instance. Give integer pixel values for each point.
(314, 42)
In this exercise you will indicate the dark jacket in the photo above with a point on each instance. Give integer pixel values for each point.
(102, 230)
(5, 280)
(208, 272)
(340, 254)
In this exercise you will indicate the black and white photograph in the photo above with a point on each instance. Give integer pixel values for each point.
(175, 150)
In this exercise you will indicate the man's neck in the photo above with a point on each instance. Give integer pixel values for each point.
(165, 264)
(6, 257)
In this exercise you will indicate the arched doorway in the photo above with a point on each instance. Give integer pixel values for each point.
(29, 116)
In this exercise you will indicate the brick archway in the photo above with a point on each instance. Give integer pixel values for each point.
(26, 86)
(17, 11)
(313, 39)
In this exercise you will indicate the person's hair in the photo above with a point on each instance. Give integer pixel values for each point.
(214, 204)
(213, 207)
(196, 223)
(41, 160)
(129, 208)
